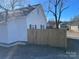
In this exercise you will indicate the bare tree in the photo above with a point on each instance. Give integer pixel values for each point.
(9, 5)
(6, 12)
(56, 7)
(14, 3)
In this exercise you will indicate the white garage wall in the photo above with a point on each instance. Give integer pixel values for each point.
(12, 31)
(22, 28)
(36, 17)
(17, 29)
(3, 33)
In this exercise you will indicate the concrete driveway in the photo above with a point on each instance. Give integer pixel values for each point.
(29, 51)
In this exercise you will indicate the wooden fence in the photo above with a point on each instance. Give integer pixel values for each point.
(52, 37)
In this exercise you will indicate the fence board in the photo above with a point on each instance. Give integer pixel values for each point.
(52, 37)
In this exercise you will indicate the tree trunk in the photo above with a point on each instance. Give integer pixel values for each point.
(57, 25)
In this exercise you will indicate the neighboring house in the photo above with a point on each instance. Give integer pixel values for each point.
(64, 25)
(19, 20)
(74, 26)
(51, 24)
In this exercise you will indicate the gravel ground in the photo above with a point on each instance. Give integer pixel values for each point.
(41, 52)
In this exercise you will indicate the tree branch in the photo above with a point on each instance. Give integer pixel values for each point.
(58, 7)
(58, 2)
(64, 9)
(3, 8)
(52, 12)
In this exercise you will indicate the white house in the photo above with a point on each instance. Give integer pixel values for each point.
(19, 20)
(74, 26)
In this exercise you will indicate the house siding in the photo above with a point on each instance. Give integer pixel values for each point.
(14, 30)
(16, 27)
(75, 28)
(35, 18)
(3, 33)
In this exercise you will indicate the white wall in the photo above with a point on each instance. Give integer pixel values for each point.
(17, 26)
(3, 33)
(12, 31)
(21, 28)
(17, 29)
(36, 17)
(75, 28)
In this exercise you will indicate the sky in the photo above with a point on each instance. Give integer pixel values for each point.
(69, 13)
